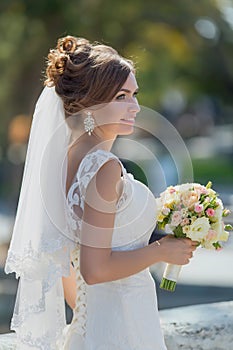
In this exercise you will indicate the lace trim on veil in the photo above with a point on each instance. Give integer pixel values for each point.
(30, 308)
(41, 242)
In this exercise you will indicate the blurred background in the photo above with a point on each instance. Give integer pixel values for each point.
(184, 56)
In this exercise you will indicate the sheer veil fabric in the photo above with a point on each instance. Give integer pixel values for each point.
(42, 242)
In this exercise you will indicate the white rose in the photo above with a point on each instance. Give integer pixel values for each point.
(224, 236)
(185, 187)
(159, 204)
(208, 245)
(219, 228)
(199, 229)
(218, 211)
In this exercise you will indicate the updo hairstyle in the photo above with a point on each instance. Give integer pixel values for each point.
(85, 74)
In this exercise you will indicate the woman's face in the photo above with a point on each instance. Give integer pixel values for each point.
(118, 116)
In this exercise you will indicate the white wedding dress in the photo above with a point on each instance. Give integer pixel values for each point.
(123, 314)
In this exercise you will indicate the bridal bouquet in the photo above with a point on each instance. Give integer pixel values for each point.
(194, 211)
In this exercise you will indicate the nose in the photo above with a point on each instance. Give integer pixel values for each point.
(134, 107)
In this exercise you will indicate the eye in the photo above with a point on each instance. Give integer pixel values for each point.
(121, 97)
(135, 94)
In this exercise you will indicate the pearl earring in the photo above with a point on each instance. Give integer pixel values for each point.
(89, 123)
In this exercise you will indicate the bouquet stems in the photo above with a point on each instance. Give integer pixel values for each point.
(170, 277)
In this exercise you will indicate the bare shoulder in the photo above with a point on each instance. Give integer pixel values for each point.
(108, 178)
(101, 198)
(110, 170)
(106, 183)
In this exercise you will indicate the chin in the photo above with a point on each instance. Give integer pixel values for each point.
(126, 131)
(129, 132)
(121, 130)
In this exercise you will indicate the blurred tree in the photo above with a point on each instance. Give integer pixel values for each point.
(183, 49)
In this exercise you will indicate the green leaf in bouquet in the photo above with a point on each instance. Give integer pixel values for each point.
(217, 245)
(206, 205)
(202, 198)
(178, 232)
(162, 224)
(228, 227)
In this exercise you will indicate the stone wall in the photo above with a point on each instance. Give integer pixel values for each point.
(199, 327)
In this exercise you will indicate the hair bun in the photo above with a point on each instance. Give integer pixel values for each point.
(58, 59)
(69, 44)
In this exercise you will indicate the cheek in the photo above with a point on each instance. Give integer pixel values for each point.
(111, 113)
(116, 112)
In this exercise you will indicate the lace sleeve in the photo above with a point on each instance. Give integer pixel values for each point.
(89, 168)
(76, 195)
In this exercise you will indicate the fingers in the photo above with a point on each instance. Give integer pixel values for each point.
(191, 247)
(190, 243)
(190, 255)
(195, 243)
(181, 249)
(187, 259)
(186, 262)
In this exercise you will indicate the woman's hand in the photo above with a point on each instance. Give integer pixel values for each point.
(176, 250)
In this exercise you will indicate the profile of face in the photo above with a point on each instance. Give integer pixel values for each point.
(118, 116)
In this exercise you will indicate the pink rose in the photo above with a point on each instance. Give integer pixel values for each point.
(210, 212)
(212, 235)
(176, 218)
(185, 222)
(200, 189)
(198, 208)
(203, 190)
(189, 199)
(172, 190)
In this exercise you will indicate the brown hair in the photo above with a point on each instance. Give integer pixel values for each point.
(85, 74)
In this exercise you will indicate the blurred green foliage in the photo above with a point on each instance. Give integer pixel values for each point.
(213, 169)
(177, 45)
(160, 36)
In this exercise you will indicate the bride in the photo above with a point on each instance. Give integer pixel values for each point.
(83, 223)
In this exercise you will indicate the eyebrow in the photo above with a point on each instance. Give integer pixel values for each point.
(128, 91)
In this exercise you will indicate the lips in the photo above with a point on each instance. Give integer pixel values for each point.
(129, 119)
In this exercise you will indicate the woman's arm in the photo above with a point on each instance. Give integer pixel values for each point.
(98, 263)
(102, 265)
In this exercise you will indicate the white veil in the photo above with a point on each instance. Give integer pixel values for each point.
(40, 248)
